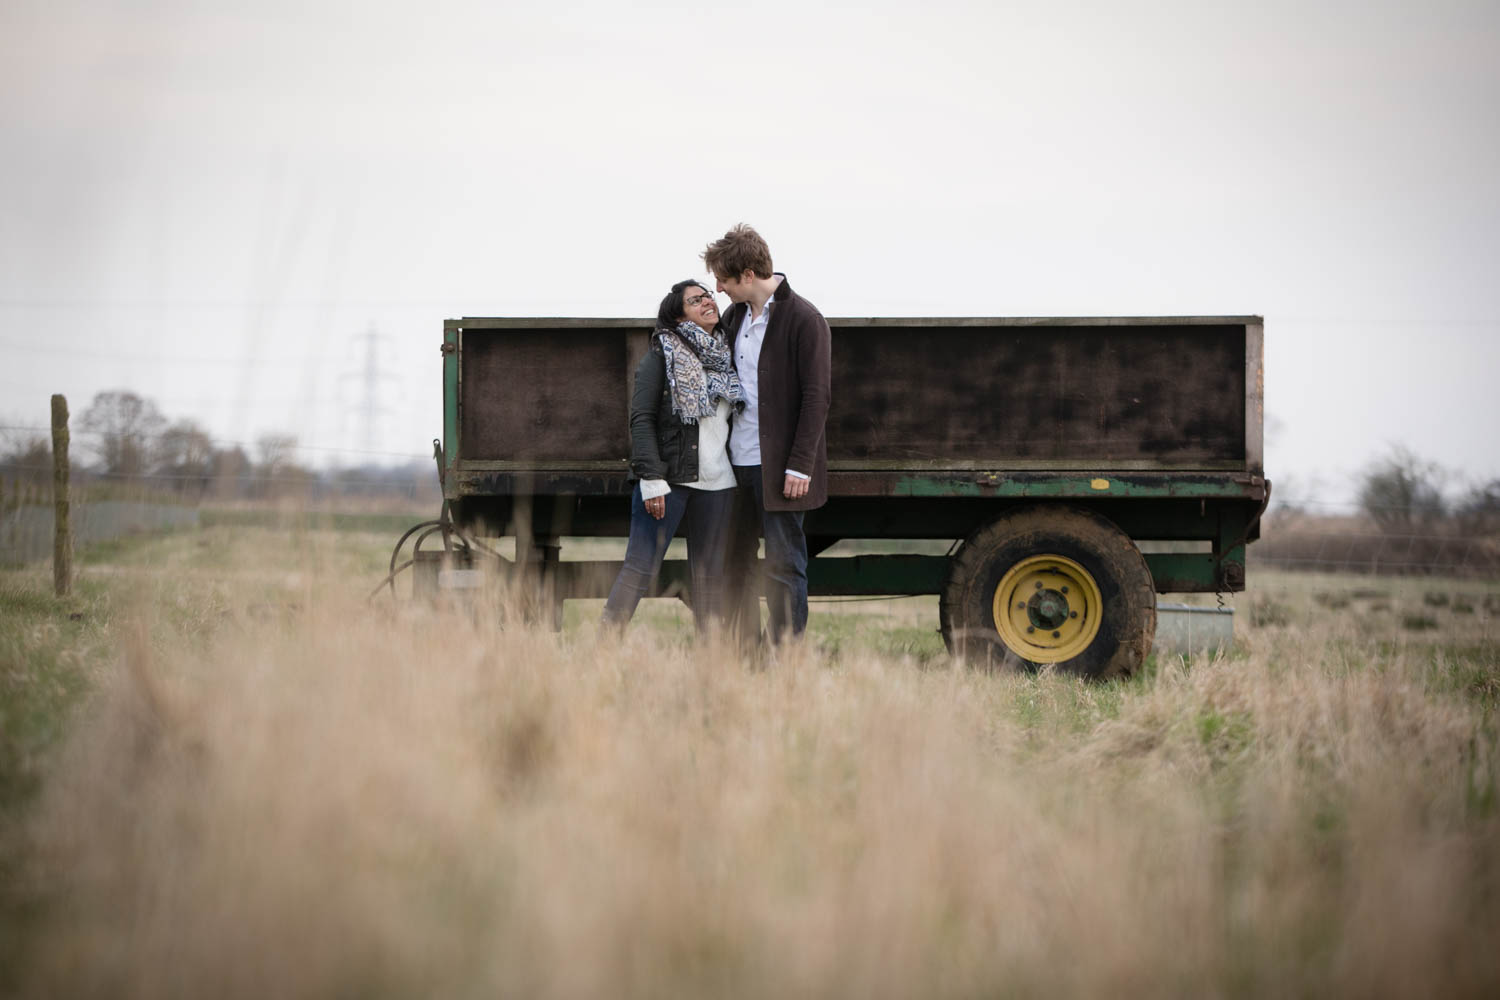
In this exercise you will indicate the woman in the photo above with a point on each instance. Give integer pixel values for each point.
(685, 390)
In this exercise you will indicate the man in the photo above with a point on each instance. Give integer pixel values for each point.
(781, 347)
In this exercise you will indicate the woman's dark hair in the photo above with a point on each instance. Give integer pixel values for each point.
(672, 308)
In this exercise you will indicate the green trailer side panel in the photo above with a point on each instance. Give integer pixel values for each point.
(897, 575)
(1064, 486)
(1197, 572)
(849, 575)
(876, 574)
(450, 400)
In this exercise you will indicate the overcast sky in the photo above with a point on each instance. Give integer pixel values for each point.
(214, 203)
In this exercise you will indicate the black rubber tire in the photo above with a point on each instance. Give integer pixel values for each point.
(1128, 623)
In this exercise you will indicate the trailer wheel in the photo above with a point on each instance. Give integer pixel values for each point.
(1050, 585)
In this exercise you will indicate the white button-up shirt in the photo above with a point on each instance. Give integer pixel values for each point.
(744, 438)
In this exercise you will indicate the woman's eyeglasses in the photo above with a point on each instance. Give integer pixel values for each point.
(697, 299)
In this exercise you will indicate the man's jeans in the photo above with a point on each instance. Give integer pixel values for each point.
(705, 516)
(785, 568)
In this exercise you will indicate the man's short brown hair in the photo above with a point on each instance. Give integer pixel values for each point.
(740, 250)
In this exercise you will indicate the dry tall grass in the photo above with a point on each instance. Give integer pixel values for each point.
(317, 797)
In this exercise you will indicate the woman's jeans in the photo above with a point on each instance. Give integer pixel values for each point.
(705, 517)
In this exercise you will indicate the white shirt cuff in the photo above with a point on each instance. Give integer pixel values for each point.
(653, 488)
(799, 475)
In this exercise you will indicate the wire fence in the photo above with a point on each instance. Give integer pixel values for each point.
(105, 507)
(1353, 545)
(26, 533)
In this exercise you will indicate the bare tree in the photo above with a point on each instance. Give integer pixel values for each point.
(278, 469)
(26, 459)
(185, 453)
(1479, 512)
(231, 472)
(275, 452)
(1402, 491)
(126, 425)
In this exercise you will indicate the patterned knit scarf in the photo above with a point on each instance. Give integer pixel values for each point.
(700, 372)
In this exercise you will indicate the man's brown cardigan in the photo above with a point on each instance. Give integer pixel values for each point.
(794, 395)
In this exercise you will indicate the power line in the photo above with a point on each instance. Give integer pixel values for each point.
(448, 304)
(154, 359)
(99, 303)
(331, 480)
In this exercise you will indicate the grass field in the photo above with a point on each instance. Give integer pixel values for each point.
(222, 772)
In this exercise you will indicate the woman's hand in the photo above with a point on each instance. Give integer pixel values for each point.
(657, 507)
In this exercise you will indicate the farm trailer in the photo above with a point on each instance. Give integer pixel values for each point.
(1045, 448)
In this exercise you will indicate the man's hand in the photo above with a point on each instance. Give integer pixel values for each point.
(657, 507)
(795, 487)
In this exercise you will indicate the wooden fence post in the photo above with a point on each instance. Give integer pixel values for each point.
(62, 538)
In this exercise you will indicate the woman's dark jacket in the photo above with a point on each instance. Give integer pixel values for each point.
(662, 446)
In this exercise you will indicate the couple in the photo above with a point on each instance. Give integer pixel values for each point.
(726, 431)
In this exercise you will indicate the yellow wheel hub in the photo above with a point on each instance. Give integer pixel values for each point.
(1048, 609)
